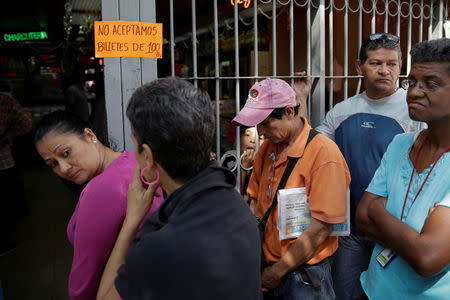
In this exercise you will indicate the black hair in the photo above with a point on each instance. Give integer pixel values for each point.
(65, 122)
(242, 129)
(176, 120)
(278, 113)
(431, 51)
(380, 40)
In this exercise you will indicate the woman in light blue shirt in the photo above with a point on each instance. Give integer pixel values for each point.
(406, 208)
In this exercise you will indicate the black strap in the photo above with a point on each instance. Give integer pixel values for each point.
(315, 281)
(312, 134)
(287, 172)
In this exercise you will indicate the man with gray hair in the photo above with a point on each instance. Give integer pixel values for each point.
(362, 127)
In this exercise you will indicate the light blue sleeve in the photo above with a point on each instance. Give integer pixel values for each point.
(445, 201)
(339, 113)
(328, 126)
(378, 185)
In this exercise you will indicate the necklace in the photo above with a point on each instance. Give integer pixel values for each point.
(412, 175)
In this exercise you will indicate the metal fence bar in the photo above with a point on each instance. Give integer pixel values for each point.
(408, 61)
(438, 13)
(194, 43)
(421, 22)
(373, 21)
(360, 20)
(386, 17)
(318, 62)
(399, 3)
(217, 75)
(308, 51)
(430, 21)
(255, 39)
(255, 56)
(291, 41)
(345, 52)
(274, 37)
(238, 104)
(172, 42)
(330, 55)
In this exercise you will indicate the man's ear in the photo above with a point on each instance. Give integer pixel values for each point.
(90, 135)
(358, 65)
(289, 111)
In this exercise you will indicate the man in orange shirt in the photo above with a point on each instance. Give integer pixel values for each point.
(297, 267)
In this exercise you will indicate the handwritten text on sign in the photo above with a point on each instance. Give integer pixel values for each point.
(128, 39)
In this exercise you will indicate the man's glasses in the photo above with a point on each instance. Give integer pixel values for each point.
(387, 36)
(426, 87)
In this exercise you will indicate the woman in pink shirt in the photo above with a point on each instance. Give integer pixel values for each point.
(73, 151)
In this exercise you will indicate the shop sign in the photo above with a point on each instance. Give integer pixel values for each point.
(245, 2)
(25, 36)
(128, 39)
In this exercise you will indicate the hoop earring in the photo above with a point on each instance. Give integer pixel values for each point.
(145, 181)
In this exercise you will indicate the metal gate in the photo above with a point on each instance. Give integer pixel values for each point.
(224, 46)
(321, 37)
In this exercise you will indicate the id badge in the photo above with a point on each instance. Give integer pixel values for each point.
(385, 257)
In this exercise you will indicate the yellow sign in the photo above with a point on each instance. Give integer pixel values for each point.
(128, 39)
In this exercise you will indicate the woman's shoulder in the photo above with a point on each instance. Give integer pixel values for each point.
(126, 160)
(115, 179)
(120, 168)
(105, 196)
(399, 147)
(404, 139)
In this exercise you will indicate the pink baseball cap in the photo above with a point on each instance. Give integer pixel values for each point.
(263, 97)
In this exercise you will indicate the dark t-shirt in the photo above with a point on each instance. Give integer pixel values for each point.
(202, 243)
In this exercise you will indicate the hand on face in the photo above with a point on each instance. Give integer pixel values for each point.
(248, 158)
(140, 198)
